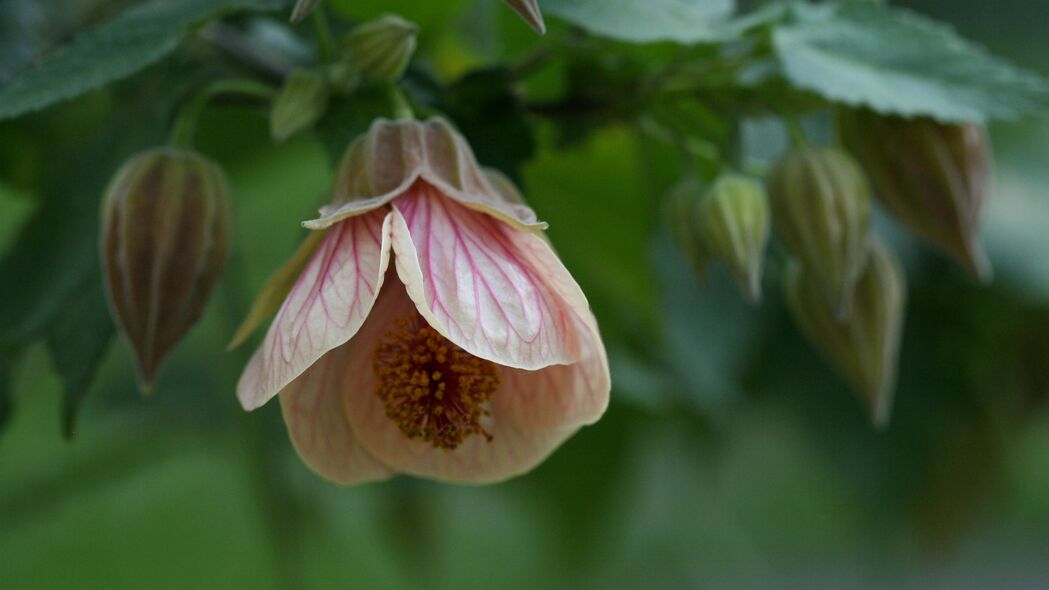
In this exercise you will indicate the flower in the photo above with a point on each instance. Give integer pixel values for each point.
(470, 358)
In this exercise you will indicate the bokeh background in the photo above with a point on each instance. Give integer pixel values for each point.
(731, 456)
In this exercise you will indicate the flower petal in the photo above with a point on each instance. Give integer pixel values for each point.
(387, 161)
(498, 292)
(324, 309)
(559, 396)
(511, 452)
(312, 407)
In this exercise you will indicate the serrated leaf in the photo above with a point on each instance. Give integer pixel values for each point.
(111, 51)
(648, 21)
(77, 338)
(897, 62)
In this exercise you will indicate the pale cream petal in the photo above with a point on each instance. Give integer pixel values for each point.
(327, 306)
(317, 424)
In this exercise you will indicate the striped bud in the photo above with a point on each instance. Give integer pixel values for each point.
(381, 49)
(682, 210)
(301, 102)
(165, 238)
(529, 10)
(734, 225)
(864, 348)
(932, 177)
(821, 208)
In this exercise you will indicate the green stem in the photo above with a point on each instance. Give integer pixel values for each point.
(797, 133)
(325, 43)
(399, 105)
(185, 127)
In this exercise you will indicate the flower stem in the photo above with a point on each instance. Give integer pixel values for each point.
(185, 127)
(325, 44)
(399, 105)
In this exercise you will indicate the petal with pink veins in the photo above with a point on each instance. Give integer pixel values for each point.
(498, 292)
(324, 309)
(312, 407)
(512, 450)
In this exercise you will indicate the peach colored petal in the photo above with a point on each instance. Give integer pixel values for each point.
(558, 396)
(317, 425)
(324, 309)
(511, 452)
(498, 292)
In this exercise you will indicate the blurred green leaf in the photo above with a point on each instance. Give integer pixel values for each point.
(349, 117)
(483, 106)
(114, 50)
(77, 339)
(646, 21)
(897, 62)
(5, 390)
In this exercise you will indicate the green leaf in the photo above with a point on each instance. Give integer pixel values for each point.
(647, 21)
(483, 106)
(350, 117)
(5, 390)
(78, 337)
(114, 50)
(897, 62)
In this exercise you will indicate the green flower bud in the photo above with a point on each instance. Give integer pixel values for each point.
(821, 208)
(932, 177)
(529, 10)
(864, 348)
(302, 8)
(682, 209)
(734, 224)
(302, 101)
(381, 49)
(165, 239)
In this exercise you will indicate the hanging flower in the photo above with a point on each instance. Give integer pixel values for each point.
(470, 358)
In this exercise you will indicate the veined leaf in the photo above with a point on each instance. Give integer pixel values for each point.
(113, 50)
(897, 62)
(646, 21)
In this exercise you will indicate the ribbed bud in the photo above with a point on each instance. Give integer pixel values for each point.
(682, 212)
(301, 102)
(864, 348)
(165, 239)
(932, 177)
(381, 49)
(734, 224)
(821, 208)
(529, 10)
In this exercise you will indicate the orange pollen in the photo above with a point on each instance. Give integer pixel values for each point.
(432, 389)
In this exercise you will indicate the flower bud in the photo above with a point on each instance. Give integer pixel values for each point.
(864, 348)
(681, 213)
(932, 177)
(821, 208)
(165, 238)
(301, 102)
(381, 49)
(529, 10)
(734, 225)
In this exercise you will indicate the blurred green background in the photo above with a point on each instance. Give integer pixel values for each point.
(731, 456)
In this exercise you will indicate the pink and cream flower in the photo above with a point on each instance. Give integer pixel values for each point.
(470, 358)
